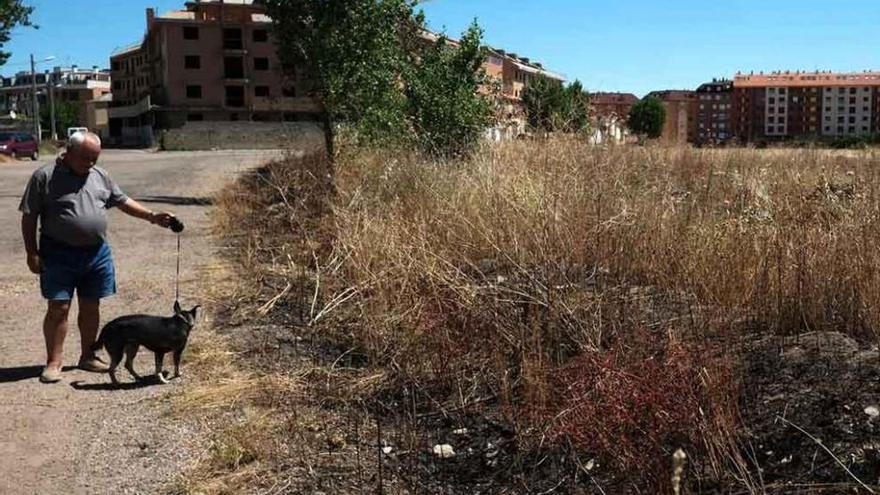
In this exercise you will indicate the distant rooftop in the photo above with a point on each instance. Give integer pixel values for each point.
(673, 94)
(125, 49)
(802, 79)
(610, 98)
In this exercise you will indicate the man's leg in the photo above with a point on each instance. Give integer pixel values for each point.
(88, 321)
(98, 282)
(55, 330)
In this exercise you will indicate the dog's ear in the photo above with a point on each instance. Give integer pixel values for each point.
(177, 309)
(194, 311)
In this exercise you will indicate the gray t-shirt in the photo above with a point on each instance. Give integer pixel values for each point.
(72, 209)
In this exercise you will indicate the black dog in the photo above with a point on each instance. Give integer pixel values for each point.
(160, 335)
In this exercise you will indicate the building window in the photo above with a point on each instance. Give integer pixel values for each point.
(192, 62)
(852, 130)
(232, 39)
(771, 120)
(261, 91)
(235, 96)
(194, 92)
(288, 92)
(233, 67)
(261, 63)
(190, 33)
(261, 35)
(195, 117)
(115, 65)
(852, 100)
(117, 84)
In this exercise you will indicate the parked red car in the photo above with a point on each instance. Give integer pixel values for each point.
(19, 144)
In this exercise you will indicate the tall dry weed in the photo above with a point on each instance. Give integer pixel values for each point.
(551, 276)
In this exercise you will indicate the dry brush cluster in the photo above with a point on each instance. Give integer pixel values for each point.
(595, 298)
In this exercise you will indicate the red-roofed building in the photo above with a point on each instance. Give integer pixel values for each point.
(612, 104)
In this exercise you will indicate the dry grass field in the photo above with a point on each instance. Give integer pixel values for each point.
(564, 317)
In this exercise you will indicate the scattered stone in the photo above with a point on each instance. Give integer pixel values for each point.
(444, 451)
(386, 450)
(460, 431)
(336, 441)
(873, 412)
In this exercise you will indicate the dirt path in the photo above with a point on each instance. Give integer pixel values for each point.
(80, 436)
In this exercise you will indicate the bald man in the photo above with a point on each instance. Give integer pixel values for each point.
(69, 199)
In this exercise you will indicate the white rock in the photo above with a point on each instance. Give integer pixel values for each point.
(444, 451)
(386, 450)
(872, 411)
(460, 431)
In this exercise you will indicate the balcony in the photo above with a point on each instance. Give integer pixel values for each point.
(233, 68)
(301, 104)
(233, 41)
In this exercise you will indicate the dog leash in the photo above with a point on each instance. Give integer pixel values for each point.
(177, 278)
(176, 226)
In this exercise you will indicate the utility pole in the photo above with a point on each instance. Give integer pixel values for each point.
(51, 87)
(35, 105)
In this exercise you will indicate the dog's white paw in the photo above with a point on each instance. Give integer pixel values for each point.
(162, 378)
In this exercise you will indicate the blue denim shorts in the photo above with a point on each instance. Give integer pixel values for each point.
(87, 270)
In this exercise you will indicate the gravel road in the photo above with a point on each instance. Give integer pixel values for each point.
(80, 436)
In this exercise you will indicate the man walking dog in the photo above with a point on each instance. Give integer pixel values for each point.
(69, 199)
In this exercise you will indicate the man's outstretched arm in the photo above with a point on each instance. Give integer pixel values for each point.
(137, 210)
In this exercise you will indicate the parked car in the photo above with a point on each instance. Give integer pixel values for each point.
(19, 144)
(73, 130)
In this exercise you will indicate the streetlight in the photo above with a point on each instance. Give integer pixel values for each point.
(35, 105)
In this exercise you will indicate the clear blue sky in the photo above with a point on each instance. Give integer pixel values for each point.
(624, 45)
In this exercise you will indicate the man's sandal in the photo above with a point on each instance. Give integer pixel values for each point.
(50, 375)
(93, 364)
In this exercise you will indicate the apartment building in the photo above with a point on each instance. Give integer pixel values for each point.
(680, 126)
(713, 112)
(513, 74)
(612, 104)
(213, 61)
(805, 105)
(66, 84)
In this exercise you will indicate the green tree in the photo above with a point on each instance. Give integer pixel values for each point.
(552, 107)
(66, 115)
(446, 109)
(351, 53)
(12, 13)
(647, 117)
